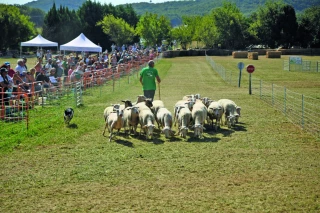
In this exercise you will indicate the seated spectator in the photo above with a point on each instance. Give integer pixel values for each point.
(20, 66)
(38, 66)
(11, 72)
(6, 84)
(52, 77)
(48, 66)
(43, 79)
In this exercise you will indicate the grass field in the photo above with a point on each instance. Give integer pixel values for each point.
(264, 164)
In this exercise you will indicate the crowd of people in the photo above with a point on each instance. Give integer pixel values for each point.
(50, 70)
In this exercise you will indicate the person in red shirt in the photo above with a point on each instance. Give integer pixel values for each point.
(11, 71)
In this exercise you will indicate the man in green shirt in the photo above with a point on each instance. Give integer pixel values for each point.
(147, 79)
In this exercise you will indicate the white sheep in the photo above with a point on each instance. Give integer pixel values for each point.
(157, 104)
(131, 119)
(114, 121)
(199, 115)
(230, 111)
(146, 120)
(184, 118)
(146, 104)
(187, 103)
(193, 96)
(164, 117)
(110, 109)
(215, 111)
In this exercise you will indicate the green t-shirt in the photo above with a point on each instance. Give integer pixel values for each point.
(148, 75)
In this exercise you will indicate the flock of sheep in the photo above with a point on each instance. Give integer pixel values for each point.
(192, 112)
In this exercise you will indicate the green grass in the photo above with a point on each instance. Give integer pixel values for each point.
(264, 164)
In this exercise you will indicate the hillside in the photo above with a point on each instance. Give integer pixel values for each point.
(174, 10)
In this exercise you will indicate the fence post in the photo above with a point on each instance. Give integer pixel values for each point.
(260, 89)
(272, 96)
(285, 101)
(302, 112)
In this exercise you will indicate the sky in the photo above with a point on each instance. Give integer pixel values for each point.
(113, 2)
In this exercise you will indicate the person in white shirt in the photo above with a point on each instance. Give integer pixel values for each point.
(48, 67)
(20, 68)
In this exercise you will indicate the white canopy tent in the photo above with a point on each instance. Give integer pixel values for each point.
(38, 41)
(81, 43)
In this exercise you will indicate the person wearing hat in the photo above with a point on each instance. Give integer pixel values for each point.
(11, 72)
(148, 75)
(6, 84)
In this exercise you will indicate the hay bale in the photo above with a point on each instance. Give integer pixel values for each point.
(253, 55)
(273, 54)
(240, 54)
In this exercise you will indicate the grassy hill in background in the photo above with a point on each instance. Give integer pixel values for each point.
(174, 10)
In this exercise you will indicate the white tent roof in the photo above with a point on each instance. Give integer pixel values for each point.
(81, 43)
(39, 41)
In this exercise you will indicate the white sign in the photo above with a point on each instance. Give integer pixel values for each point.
(295, 60)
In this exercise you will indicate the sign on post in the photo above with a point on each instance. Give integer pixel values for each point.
(250, 69)
(240, 67)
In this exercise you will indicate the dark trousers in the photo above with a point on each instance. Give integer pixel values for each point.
(149, 93)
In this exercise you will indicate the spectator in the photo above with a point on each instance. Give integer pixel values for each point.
(38, 66)
(25, 62)
(20, 66)
(48, 55)
(52, 77)
(38, 53)
(48, 66)
(6, 84)
(43, 79)
(11, 72)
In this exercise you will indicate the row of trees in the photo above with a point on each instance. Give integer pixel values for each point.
(273, 24)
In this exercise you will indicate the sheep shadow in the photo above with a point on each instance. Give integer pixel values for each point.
(124, 143)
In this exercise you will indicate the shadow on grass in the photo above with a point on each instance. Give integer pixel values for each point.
(124, 143)
(72, 126)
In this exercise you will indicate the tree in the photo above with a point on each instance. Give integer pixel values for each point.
(274, 24)
(15, 27)
(230, 25)
(119, 31)
(153, 29)
(208, 32)
(58, 24)
(309, 27)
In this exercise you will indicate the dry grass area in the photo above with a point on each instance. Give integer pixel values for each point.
(264, 164)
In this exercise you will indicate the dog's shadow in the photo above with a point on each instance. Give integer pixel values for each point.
(72, 126)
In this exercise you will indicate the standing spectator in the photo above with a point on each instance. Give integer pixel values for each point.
(147, 80)
(113, 47)
(48, 55)
(38, 53)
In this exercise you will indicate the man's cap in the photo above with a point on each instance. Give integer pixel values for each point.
(7, 63)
